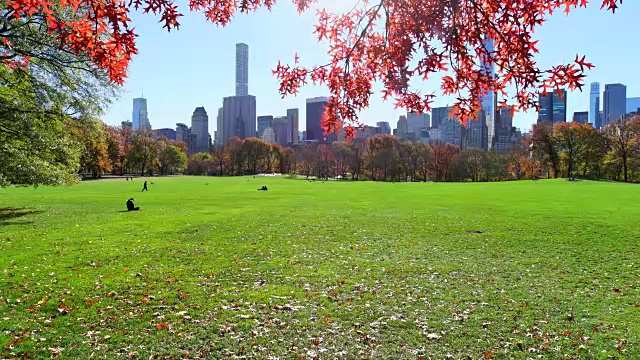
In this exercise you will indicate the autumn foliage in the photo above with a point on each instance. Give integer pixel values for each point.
(395, 42)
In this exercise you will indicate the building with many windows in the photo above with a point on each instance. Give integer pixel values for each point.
(614, 104)
(293, 116)
(238, 117)
(264, 122)
(594, 105)
(402, 127)
(168, 133)
(438, 114)
(200, 128)
(451, 131)
(384, 126)
(218, 133)
(478, 132)
(242, 69)
(553, 106)
(489, 100)
(315, 113)
(279, 125)
(140, 116)
(416, 122)
(581, 117)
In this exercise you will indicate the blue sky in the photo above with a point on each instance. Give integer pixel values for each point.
(194, 66)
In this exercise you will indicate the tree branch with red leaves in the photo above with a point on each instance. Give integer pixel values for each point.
(398, 43)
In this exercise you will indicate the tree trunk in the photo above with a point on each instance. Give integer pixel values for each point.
(625, 168)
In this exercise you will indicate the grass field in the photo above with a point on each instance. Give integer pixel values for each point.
(212, 268)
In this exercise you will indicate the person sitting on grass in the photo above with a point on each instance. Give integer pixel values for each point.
(131, 206)
(263, 188)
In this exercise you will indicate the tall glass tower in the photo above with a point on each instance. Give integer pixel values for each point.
(242, 69)
(615, 102)
(488, 101)
(140, 117)
(594, 105)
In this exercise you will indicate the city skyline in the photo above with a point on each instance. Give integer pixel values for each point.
(176, 93)
(553, 108)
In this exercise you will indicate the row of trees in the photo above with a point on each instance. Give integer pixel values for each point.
(120, 151)
(560, 150)
(379, 158)
(573, 149)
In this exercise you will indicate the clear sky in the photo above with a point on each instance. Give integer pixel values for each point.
(195, 66)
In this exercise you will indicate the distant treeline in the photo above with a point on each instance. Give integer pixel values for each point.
(549, 150)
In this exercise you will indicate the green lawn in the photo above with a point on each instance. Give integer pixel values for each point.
(212, 268)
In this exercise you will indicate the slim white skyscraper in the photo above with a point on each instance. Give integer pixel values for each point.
(594, 105)
(140, 117)
(242, 69)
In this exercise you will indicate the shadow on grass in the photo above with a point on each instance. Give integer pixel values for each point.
(7, 214)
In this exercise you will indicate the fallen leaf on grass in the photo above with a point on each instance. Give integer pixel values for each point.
(55, 351)
(433, 336)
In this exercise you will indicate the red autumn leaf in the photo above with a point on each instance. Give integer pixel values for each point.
(161, 326)
(376, 45)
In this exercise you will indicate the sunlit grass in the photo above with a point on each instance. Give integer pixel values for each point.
(213, 268)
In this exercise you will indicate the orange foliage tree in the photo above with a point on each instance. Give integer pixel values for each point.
(394, 42)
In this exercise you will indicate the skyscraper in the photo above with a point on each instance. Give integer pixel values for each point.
(292, 125)
(200, 127)
(581, 117)
(417, 122)
(238, 117)
(279, 125)
(402, 127)
(140, 117)
(438, 115)
(183, 134)
(315, 113)
(488, 101)
(594, 105)
(242, 69)
(219, 131)
(478, 132)
(264, 121)
(615, 102)
(451, 131)
(553, 106)
(384, 126)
